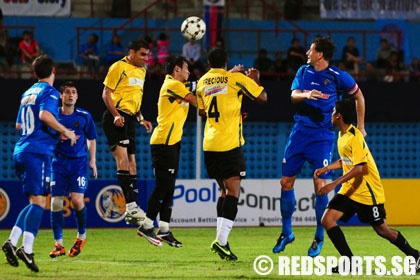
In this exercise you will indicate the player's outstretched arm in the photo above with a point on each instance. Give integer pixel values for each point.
(191, 98)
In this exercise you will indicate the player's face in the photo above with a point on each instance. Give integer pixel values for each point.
(138, 58)
(184, 72)
(69, 96)
(313, 55)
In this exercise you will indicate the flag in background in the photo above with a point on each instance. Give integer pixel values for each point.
(213, 17)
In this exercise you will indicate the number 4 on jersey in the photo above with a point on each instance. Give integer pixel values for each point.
(213, 111)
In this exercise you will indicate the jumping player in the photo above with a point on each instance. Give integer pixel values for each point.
(219, 99)
(315, 89)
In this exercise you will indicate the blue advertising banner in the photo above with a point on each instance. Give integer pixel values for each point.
(104, 201)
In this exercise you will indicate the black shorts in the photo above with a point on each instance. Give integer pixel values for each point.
(372, 214)
(166, 157)
(224, 165)
(123, 136)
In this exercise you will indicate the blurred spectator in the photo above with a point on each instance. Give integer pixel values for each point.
(263, 63)
(192, 52)
(383, 54)
(4, 41)
(395, 71)
(150, 62)
(414, 70)
(114, 51)
(89, 53)
(162, 44)
(279, 65)
(369, 73)
(351, 56)
(296, 56)
(29, 48)
(156, 72)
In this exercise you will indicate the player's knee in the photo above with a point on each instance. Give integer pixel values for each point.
(78, 204)
(57, 203)
(286, 183)
(327, 221)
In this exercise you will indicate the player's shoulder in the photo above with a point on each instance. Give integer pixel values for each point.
(335, 71)
(303, 68)
(82, 111)
(355, 132)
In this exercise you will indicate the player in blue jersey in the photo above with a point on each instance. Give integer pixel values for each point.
(39, 134)
(315, 89)
(70, 169)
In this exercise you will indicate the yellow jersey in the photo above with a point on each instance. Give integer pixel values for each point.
(220, 93)
(367, 187)
(172, 112)
(127, 82)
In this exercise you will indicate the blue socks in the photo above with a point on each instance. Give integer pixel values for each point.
(57, 224)
(81, 220)
(321, 202)
(287, 207)
(20, 221)
(33, 219)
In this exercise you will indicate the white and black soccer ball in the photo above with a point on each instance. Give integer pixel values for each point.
(193, 28)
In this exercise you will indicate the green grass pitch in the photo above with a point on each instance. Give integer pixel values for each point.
(120, 254)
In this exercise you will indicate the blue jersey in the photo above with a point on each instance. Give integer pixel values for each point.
(84, 127)
(37, 137)
(332, 82)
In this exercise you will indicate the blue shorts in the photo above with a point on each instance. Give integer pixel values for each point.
(308, 144)
(69, 175)
(35, 172)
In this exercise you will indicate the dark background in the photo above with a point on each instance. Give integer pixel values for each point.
(385, 102)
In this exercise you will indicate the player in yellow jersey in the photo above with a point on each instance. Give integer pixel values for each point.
(219, 99)
(174, 101)
(122, 94)
(361, 191)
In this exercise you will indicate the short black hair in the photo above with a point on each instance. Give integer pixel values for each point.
(347, 108)
(137, 45)
(66, 85)
(324, 45)
(217, 57)
(43, 66)
(173, 61)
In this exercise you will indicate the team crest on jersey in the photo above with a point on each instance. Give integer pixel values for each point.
(4, 204)
(327, 81)
(110, 204)
(217, 89)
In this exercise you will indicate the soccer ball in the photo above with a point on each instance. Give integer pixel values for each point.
(193, 28)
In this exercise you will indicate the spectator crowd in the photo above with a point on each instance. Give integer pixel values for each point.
(389, 65)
